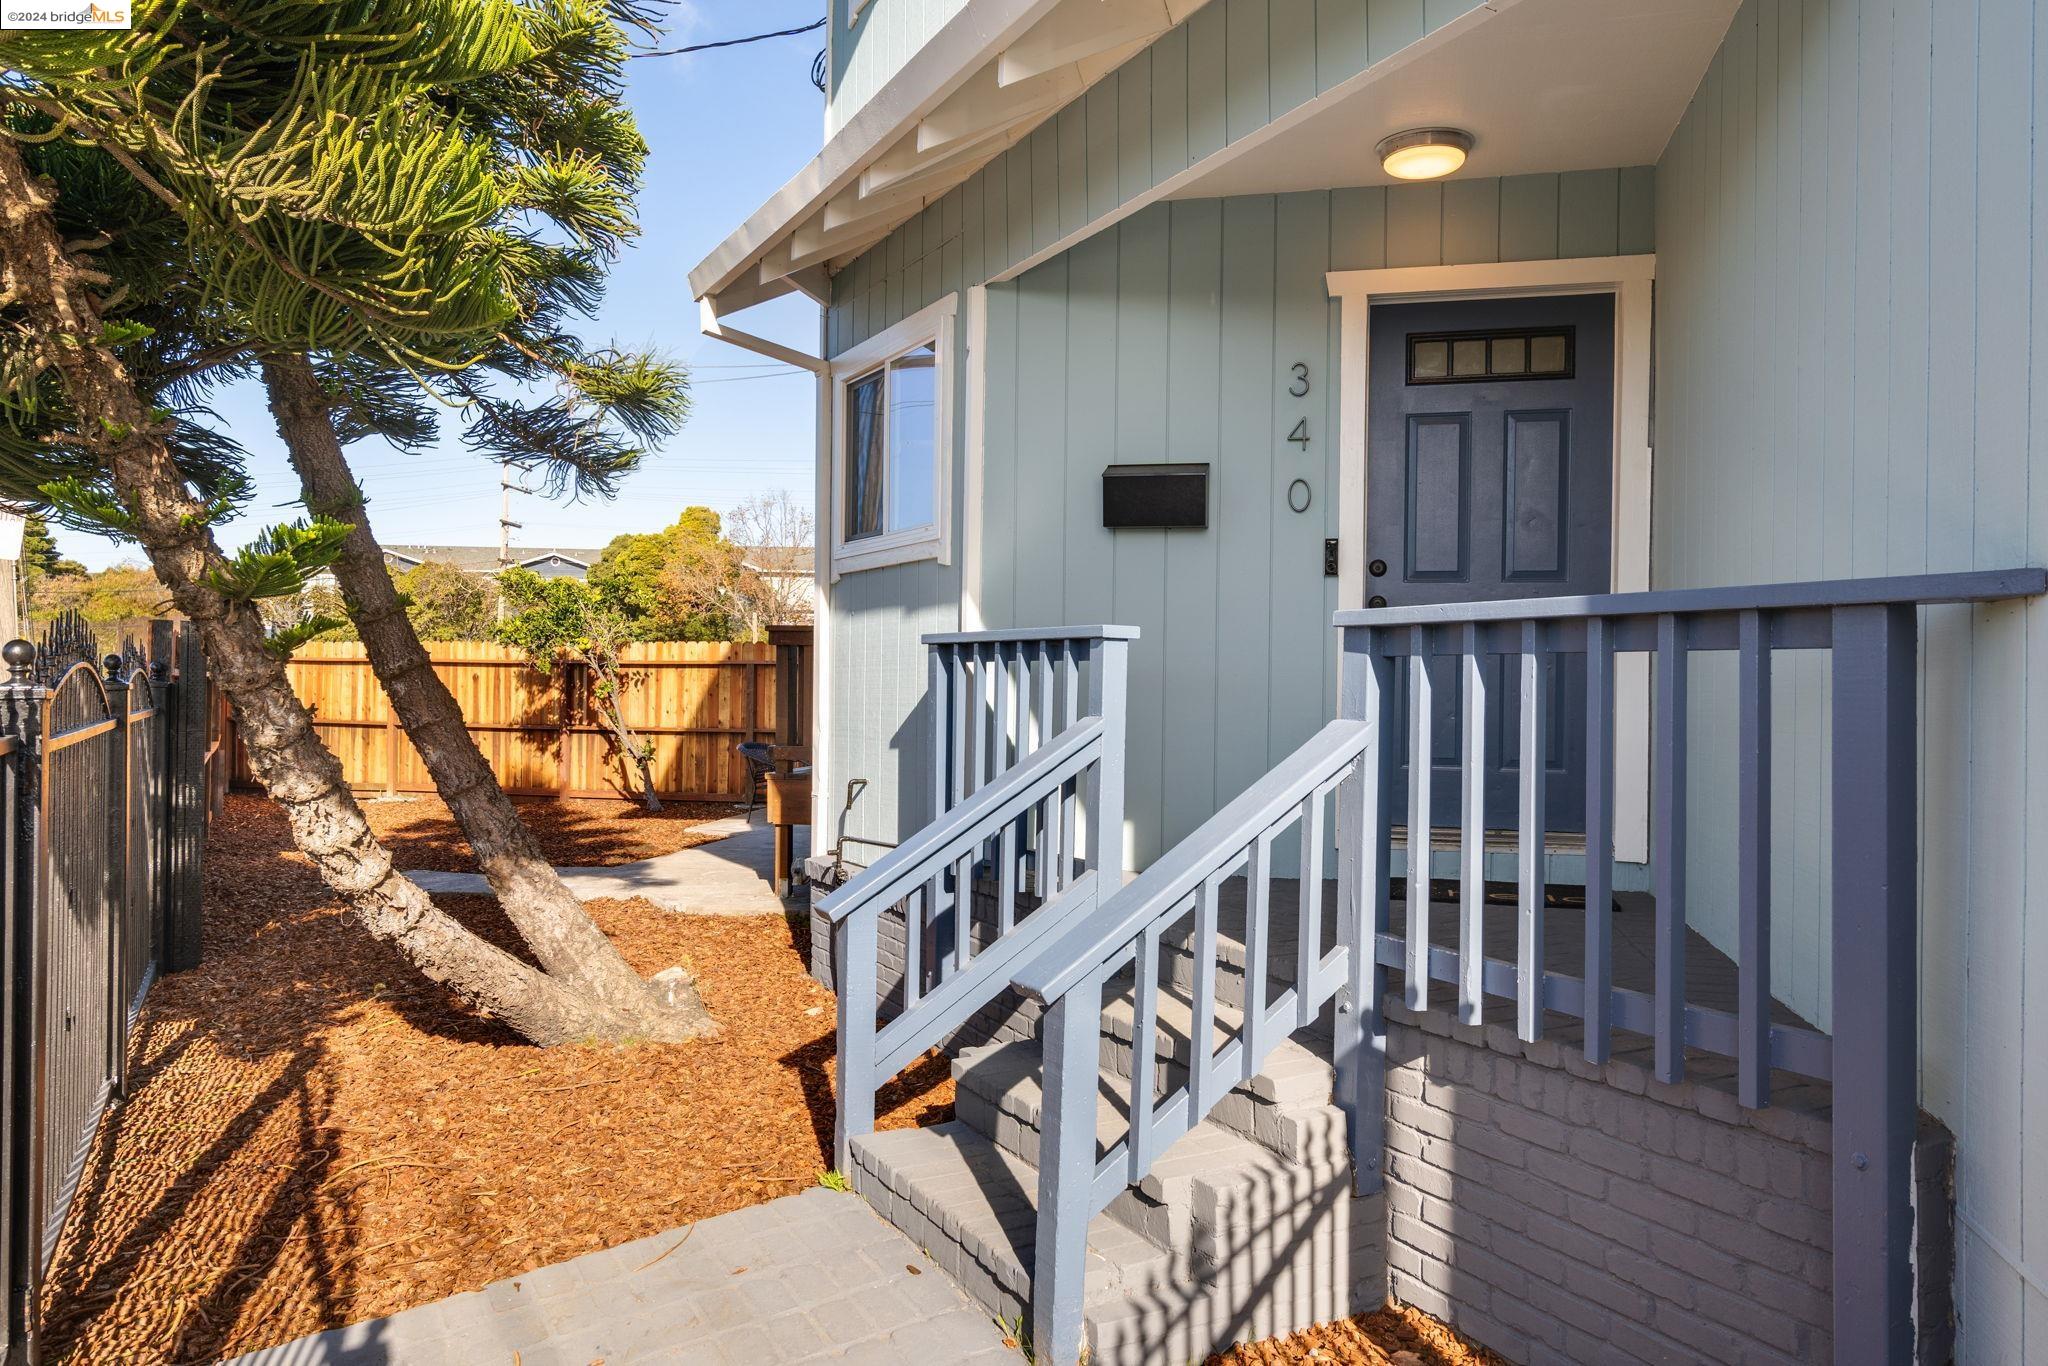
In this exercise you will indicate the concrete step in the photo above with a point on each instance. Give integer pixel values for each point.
(1274, 1258)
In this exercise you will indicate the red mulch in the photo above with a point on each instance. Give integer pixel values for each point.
(1395, 1336)
(574, 834)
(316, 1135)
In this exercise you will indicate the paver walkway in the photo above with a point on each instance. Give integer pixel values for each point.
(729, 875)
(816, 1277)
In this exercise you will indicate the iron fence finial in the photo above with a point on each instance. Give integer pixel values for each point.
(20, 658)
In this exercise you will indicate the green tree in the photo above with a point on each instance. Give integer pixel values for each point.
(41, 562)
(447, 603)
(668, 583)
(353, 202)
(558, 621)
(124, 593)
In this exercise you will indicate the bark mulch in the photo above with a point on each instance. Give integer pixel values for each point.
(1395, 1336)
(574, 834)
(316, 1135)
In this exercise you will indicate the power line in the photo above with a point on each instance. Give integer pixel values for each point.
(733, 42)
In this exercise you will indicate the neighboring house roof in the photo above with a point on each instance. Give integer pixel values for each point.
(483, 559)
(781, 561)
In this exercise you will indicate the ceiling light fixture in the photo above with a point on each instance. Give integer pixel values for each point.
(1424, 153)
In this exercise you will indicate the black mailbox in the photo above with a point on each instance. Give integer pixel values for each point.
(1155, 496)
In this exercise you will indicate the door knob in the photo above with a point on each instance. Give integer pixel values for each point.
(1378, 569)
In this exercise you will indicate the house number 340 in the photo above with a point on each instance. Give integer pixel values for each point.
(1298, 388)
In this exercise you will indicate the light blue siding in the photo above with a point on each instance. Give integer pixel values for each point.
(1853, 379)
(887, 34)
(1171, 336)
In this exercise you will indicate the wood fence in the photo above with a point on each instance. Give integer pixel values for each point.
(693, 701)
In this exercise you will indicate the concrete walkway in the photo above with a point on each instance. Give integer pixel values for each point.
(816, 1277)
(729, 875)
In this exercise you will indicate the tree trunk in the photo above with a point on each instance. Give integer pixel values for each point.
(537, 902)
(300, 774)
(632, 755)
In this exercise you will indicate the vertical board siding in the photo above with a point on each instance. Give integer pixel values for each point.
(1853, 380)
(1170, 336)
(887, 34)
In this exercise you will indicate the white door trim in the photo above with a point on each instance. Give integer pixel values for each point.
(1630, 279)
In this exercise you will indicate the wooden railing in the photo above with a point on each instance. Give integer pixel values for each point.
(1870, 1057)
(1029, 745)
(1128, 931)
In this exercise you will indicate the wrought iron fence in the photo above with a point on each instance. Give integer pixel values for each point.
(103, 801)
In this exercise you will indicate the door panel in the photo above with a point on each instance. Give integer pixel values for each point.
(1488, 473)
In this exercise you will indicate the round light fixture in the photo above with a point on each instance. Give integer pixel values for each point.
(1424, 153)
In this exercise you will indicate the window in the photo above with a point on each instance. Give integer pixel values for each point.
(893, 444)
(1466, 357)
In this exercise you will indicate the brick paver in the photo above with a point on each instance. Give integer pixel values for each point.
(815, 1277)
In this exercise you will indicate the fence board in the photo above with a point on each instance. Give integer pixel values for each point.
(692, 700)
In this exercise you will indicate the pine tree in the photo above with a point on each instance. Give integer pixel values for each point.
(334, 195)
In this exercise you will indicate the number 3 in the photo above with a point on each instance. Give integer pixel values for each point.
(1299, 389)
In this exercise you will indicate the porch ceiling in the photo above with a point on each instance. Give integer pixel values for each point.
(1547, 85)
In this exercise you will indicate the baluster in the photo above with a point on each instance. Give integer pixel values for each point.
(1599, 1002)
(1041, 692)
(1753, 875)
(985, 713)
(1669, 851)
(1308, 953)
(1070, 1037)
(958, 705)
(1070, 684)
(999, 661)
(963, 909)
(1144, 1050)
(1472, 838)
(1258, 905)
(853, 965)
(935, 689)
(1421, 767)
(1052, 849)
(1202, 1021)
(920, 904)
(1006, 879)
(1529, 927)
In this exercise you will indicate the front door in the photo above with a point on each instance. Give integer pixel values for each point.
(1490, 458)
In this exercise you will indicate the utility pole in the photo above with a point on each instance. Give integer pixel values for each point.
(505, 526)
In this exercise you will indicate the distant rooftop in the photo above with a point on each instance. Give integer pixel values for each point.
(483, 559)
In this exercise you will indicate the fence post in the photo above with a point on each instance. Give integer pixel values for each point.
(1876, 975)
(119, 830)
(21, 721)
(185, 826)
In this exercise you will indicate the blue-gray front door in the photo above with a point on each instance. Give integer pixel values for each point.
(1488, 473)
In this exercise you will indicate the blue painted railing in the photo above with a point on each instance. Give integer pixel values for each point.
(1870, 626)
(1126, 932)
(1028, 734)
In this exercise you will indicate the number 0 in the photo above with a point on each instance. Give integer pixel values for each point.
(1299, 388)
(1300, 433)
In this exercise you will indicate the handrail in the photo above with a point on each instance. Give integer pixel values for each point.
(1987, 585)
(1161, 888)
(984, 813)
(1027, 634)
(1128, 930)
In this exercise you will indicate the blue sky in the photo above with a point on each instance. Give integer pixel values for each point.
(727, 128)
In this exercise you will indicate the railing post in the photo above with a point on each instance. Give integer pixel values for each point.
(186, 825)
(853, 967)
(1876, 977)
(1360, 1052)
(936, 698)
(1108, 692)
(1066, 1168)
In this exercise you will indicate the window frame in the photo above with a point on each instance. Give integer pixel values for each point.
(932, 326)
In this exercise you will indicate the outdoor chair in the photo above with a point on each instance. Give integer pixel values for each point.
(759, 758)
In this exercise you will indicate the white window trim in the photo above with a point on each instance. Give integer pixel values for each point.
(935, 325)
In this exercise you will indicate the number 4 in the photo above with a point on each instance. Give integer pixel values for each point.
(1300, 433)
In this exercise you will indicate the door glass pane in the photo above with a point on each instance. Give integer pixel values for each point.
(1510, 355)
(1432, 360)
(864, 457)
(913, 443)
(1546, 355)
(1468, 356)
